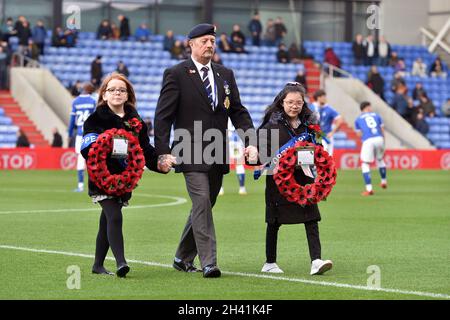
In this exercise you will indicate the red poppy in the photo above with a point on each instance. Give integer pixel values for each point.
(115, 184)
(284, 178)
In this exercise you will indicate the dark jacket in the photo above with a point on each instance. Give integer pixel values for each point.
(277, 207)
(376, 83)
(103, 119)
(57, 140)
(124, 28)
(183, 100)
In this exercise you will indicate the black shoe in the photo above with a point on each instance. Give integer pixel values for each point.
(122, 271)
(185, 266)
(211, 271)
(101, 270)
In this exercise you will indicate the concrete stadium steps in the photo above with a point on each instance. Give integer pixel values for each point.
(20, 119)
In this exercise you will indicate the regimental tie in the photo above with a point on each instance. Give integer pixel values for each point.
(207, 85)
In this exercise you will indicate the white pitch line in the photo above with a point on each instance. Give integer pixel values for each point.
(178, 201)
(250, 275)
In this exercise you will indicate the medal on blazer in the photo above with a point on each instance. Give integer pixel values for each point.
(226, 103)
(226, 88)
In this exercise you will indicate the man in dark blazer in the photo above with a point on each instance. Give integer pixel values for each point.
(197, 98)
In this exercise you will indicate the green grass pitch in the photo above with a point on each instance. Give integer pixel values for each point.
(404, 231)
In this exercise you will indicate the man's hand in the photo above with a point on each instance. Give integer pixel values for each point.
(251, 154)
(166, 162)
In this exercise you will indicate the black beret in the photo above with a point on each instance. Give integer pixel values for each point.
(201, 30)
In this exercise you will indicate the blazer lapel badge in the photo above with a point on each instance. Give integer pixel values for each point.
(226, 87)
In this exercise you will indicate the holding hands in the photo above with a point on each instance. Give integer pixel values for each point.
(166, 162)
(251, 154)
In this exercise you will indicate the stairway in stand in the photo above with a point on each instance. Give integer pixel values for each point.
(20, 119)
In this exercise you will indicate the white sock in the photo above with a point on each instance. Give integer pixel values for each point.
(369, 187)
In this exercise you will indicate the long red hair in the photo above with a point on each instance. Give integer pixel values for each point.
(117, 76)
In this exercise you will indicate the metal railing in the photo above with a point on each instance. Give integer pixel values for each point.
(20, 60)
(328, 70)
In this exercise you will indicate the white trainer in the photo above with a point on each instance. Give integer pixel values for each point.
(242, 191)
(271, 268)
(221, 191)
(320, 266)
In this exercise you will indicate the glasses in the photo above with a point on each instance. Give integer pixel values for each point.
(119, 90)
(291, 103)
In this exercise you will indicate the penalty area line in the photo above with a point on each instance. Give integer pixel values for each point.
(249, 275)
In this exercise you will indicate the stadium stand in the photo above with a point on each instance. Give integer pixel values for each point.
(438, 89)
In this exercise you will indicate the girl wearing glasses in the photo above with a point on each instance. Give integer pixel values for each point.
(290, 116)
(116, 105)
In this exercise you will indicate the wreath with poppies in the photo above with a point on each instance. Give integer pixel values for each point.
(126, 181)
(303, 195)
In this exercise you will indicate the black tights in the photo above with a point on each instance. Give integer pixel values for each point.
(312, 234)
(110, 233)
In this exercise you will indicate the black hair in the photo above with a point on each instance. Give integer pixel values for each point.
(277, 104)
(319, 93)
(364, 105)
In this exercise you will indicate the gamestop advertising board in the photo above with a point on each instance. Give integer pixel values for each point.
(65, 159)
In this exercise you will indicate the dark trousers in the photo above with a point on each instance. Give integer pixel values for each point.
(110, 233)
(312, 234)
(199, 236)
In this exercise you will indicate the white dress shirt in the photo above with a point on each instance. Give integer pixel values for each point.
(199, 67)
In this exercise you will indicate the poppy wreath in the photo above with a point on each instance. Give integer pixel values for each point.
(284, 178)
(124, 182)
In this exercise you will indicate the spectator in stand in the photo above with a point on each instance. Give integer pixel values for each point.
(115, 32)
(269, 35)
(358, 50)
(22, 140)
(57, 139)
(370, 50)
(3, 67)
(295, 54)
(437, 69)
(376, 82)
(420, 124)
(187, 48)
(419, 68)
(216, 59)
(96, 71)
(177, 51)
(397, 81)
(169, 41)
(58, 39)
(411, 112)
(394, 59)
(124, 27)
(238, 39)
(400, 102)
(400, 67)
(301, 78)
(123, 69)
(427, 105)
(446, 108)
(104, 31)
(23, 33)
(8, 30)
(224, 44)
(76, 88)
(384, 51)
(418, 91)
(280, 30)
(70, 36)
(255, 28)
(331, 58)
(282, 54)
(39, 33)
(142, 33)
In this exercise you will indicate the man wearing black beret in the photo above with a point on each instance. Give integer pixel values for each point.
(197, 97)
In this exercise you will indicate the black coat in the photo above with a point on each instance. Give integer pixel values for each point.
(124, 28)
(103, 119)
(57, 140)
(277, 207)
(183, 100)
